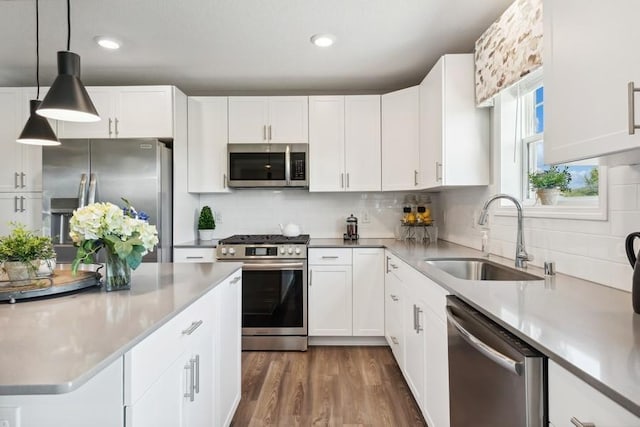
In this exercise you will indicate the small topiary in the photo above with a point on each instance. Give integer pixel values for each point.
(206, 221)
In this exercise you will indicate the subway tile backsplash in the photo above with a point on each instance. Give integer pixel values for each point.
(591, 250)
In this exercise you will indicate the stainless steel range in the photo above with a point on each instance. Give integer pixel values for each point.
(274, 289)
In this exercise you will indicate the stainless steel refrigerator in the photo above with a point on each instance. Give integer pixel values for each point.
(81, 171)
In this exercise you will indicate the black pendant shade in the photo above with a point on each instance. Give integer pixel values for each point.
(67, 98)
(37, 130)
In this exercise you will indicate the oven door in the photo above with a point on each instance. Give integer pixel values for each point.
(274, 297)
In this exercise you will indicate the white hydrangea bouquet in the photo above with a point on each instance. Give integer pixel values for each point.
(124, 233)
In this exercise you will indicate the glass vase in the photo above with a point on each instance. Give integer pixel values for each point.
(117, 274)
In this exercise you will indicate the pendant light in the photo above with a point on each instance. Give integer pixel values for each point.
(37, 130)
(67, 99)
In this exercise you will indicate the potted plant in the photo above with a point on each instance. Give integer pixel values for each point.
(206, 224)
(25, 255)
(549, 183)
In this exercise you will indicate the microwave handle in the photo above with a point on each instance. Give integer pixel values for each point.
(287, 164)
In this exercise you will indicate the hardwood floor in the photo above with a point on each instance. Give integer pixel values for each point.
(325, 386)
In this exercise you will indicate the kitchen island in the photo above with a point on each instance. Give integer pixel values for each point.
(81, 347)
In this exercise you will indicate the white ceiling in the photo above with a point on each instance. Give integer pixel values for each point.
(244, 46)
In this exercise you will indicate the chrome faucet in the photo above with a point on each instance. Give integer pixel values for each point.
(521, 254)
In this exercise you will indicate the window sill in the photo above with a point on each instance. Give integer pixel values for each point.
(586, 212)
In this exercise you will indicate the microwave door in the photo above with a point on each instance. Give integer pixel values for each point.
(261, 169)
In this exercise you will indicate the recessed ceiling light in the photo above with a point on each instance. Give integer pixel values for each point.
(107, 42)
(323, 40)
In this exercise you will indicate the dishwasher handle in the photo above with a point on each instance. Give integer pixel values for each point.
(486, 350)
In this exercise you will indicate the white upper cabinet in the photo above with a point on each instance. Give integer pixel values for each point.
(454, 134)
(207, 144)
(126, 112)
(589, 59)
(20, 164)
(275, 119)
(344, 130)
(400, 139)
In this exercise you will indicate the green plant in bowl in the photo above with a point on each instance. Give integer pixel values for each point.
(22, 251)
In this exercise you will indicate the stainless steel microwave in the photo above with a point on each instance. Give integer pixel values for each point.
(268, 165)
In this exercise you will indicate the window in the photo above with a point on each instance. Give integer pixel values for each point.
(518, 129)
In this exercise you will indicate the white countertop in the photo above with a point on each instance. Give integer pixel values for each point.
(54, 345)
(588, 328)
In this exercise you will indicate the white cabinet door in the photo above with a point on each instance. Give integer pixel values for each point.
(400, 138)
(25, 208)
(571, 397)
(288, 120)
(414, 344)
(330, 300)
(326, 143)
(436, 395)
(588, 61)
(207, 144)
(368, 292)
(228, 373)
(162, 404)
(454, 134)
(11, 126)
(143, 111)
(103, 99)
(248, 119)
(362, 149)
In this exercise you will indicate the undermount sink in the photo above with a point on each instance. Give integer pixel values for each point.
(479, 269)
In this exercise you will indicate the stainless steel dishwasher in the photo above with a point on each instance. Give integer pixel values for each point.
(495, 379)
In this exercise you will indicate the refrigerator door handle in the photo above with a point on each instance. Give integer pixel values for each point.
(93, 180)
(82, 191)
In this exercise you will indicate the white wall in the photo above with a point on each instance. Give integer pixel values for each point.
(322, 215)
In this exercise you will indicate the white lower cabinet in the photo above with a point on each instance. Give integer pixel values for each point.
(346, 292)
(418, 336)
(187, 373)
(571, 398)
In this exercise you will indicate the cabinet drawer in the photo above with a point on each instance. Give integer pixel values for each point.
(146, 362)
(194, 255)
(330, 256)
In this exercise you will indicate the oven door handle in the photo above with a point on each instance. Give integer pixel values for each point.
(486, 350)
(274, 266)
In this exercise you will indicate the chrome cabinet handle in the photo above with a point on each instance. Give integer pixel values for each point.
(395, 267)
(388, 259)
(116, 121)
(110, 132)
(632, 108)
(347, 179)
(415, 318)
(395, 340)
(393, 297)
(197, 374)
(415, 177)
(264, 132)
(224, 180)
(22, 204)
(236, 280)
(576, 422)
(342, 180)
(419, 328)
(310, 277)
(15, 180)
(491, 353)
(438, 171)
(22, 176)
(195, 257)
(15, 203)
(269, 132)
(190, 368)
(329, 257)
(191, 329)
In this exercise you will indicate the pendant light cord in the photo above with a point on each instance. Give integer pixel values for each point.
(68, 25)
(37, 51)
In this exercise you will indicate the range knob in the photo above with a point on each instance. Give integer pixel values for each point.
(297, 251)
(223, 251)
(290, 250)
(282, 250)
(232, 251)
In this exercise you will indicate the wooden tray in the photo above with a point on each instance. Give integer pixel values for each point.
(61, 281)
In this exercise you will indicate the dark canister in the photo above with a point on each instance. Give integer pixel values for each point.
(635, 263)
(352, 228)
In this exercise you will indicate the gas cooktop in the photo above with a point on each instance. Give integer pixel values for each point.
(264, 239)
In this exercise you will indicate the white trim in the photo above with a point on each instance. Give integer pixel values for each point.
(348, 341)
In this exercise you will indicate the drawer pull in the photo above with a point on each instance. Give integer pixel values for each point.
(190, 368)
(393, 297)
(195, 257)
(329, 257)
(576, 422)
(236, 280)
(395, 267)
(197, 374)
(395, 340)
(191, 329)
